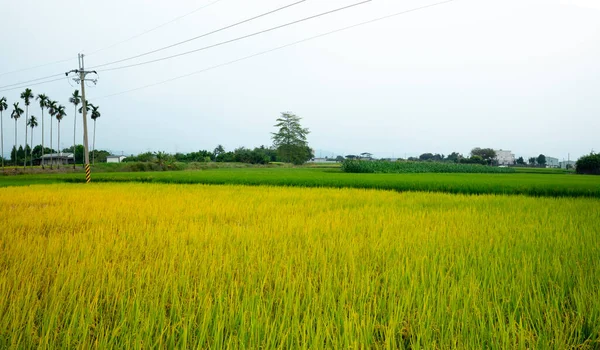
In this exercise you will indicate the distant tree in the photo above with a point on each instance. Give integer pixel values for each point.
(351, 157)
(52, 109)
(20, 154)
(75, 99)
(32, 123)
(454, 157)
(487, 154)
(426, 156)
(27, 96)
(541, 160)
(290, 139)
(43, 100)
(3, 107)
(339, 159)
(16, 114)
(589, 164)
(366, 155)
(218, 150)
(532, 161)
(60, 114)
(520, 161)
(474, 160)
(95, 115)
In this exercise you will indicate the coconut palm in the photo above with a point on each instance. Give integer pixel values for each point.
(43, 99)
(95, 115)
(75, 99)
(32, 123)
(60, 114)
(16, 114)
(27, 96)
(3, 107)
(52, 107)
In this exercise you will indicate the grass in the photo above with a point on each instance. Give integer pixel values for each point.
(180, 266)
(551, 185)
(370, 167)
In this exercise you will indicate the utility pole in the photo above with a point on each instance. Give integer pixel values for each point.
(81, 78)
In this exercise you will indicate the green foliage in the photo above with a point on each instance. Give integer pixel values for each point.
(290, 140)
(541, 160)
(359, 166)
(589, 164)
(487, 154)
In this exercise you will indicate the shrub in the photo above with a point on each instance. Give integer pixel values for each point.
(589, 165)
(360, 166)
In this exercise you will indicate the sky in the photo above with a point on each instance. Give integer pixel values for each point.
(519, 75)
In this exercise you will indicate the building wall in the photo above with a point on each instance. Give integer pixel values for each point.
(552, 162)
(505, 157)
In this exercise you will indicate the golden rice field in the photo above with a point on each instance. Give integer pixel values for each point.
(193, 266)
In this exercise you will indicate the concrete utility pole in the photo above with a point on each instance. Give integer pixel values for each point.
(81, 78)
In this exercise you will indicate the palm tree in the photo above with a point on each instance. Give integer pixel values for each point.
(52, 107)
(43, 104)
(60, 114)
(76, 100)
(32, 123)
(16, 114)
(95, 115)
(26, 95)
(3, 107)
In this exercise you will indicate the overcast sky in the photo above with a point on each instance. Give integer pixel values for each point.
(522, 75)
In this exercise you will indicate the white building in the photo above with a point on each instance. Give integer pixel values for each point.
(552, 162)
(115, 159)
(564, 163)
(505, 157)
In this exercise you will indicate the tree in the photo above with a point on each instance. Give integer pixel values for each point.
(60, 114)
(218, 150)
(95, 115)
(290, 139)
(339, 159)
(52, 108)
(454, 157)
(32, 123)
(520, 161)
(589, 164)
(43, 99)
(3, 107)
(532, 161)
(75, 99)
(487, 154)
(541, 160)
(26, 95)
(16, 114)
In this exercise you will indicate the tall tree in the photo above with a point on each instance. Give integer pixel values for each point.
(541, 160)
(3, 107)
(52, 108)
(60, 114)
(43, 100)
(488, 154)
(32, 123)
(290, 139)
(16, 114)
(27, 96)
(95, 115)
(75, 99)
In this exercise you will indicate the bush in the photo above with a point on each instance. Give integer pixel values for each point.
(361, 166)
(589, 165)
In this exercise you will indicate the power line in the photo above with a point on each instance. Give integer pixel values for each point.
(155, 28)
(202, 35)
(278, 48)
(237, 39)
(29, 81)
(28, 85)
(113, 45)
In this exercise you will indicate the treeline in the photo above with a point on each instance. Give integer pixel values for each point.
(258, 155)
(18, 155)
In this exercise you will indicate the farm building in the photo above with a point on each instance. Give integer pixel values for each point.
(115, 159)
(552, 162)
(505, 157)
(567, 164)
(57, 159)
